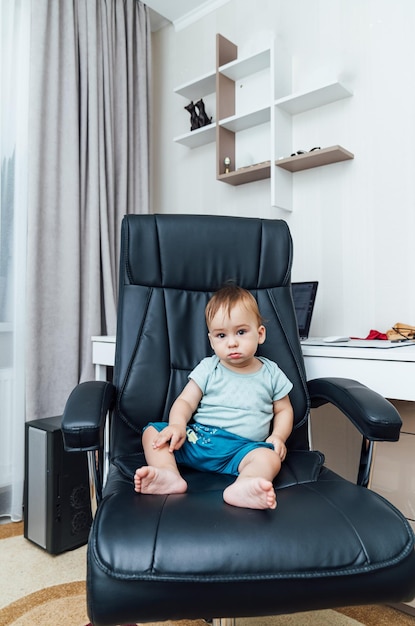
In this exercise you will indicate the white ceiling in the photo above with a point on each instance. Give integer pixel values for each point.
(164, 11)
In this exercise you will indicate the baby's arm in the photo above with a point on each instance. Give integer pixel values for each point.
(180, 413)
(282, 425)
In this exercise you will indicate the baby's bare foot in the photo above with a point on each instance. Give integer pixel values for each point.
(154, 480)
(251, 493)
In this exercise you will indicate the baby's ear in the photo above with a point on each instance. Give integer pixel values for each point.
(262, 333)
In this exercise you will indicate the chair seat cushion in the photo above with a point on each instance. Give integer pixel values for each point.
(330, 528)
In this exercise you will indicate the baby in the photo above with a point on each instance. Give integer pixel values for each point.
(242, 415)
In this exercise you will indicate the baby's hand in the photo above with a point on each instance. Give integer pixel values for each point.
(279, 446)
(174, 433)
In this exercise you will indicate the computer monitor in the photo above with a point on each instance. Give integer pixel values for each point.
(304, 297)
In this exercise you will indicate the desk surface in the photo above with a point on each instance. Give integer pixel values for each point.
(103, 338)
(349, 351)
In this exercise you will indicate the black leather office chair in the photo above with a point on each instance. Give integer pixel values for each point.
(329, 542)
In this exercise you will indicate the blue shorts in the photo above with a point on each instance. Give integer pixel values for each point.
(212, 449)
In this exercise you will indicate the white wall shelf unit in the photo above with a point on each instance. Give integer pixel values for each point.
(278, 113)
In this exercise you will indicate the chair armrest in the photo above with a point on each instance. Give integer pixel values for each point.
(84, 416)
(374, 416)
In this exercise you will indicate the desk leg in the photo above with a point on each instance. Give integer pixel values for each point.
(100, 372)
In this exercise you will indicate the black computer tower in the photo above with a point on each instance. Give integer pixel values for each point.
(57, 509)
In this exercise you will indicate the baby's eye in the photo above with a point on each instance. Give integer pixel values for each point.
(241, 331)
(220, 335)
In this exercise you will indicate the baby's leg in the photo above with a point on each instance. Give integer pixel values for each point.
(253, 489)
(161, 475)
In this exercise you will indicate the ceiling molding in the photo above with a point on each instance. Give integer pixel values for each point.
(196, 14)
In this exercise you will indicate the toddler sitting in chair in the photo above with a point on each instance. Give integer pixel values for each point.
(233, 397)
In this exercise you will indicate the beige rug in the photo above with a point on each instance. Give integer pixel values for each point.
(38, 589)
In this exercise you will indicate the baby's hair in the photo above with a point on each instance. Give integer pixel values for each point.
(227, 297)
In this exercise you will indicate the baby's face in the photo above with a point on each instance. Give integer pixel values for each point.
(235, 336)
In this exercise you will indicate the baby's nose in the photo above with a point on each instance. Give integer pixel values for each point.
(233, 340)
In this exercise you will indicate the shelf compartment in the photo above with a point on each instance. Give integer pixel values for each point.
(199, 88)
(248, 174)
(306, 100)
(198, 137)
(240, 68)
(317, 158)
(236, 123)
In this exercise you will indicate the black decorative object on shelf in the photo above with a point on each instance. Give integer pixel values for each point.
(204, 120)
(197, 119)
(194, 118)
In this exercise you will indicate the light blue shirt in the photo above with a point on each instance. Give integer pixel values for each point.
(240, 403)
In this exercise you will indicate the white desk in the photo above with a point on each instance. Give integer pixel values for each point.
(389, 371)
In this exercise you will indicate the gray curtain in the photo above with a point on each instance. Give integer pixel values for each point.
(89, 165)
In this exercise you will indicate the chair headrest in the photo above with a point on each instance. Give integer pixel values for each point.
(170, 251)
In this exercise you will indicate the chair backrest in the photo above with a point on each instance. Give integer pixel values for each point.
(170, 266)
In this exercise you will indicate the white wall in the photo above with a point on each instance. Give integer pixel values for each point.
(353, 223)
